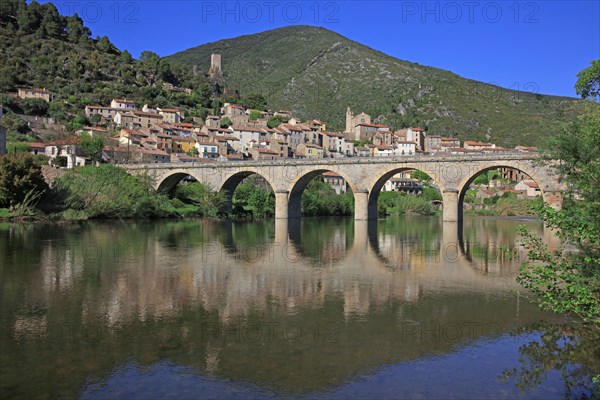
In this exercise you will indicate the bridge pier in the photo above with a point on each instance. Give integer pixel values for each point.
(361, 205)
(553, 199)
(282, 204)
(451, 204)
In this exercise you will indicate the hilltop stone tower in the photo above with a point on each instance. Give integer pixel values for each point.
(349, 120)
(215, 65)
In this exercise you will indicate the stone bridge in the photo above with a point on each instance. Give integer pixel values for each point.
(364, 175)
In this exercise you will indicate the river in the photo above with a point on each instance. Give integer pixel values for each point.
(409, 307)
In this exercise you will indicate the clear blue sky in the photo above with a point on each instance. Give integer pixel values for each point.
(528, 45)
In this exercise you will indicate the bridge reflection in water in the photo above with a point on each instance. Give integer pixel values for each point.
(297, 306)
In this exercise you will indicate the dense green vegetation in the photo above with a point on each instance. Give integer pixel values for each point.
(399, 203)
(20, 177)
(325, 66)
(320, 199)
(252, 199)
(569, 281)
(508, 204)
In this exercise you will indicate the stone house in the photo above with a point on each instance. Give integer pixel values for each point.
(68, 148)
(433, 143)
(208, 150)
(405, 148)
(449, 143)
(308, 150)
(260, 153)
(152, 156)
(336, 181)
(122, 104)
(171, 115)
(479, 146)
(106, 113)
(529, 187)
(34, 93)
(182, 144)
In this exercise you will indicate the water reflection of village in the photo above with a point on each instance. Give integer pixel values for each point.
(223, 268)
(191, 292)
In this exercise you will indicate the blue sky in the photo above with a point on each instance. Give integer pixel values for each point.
(537, 46)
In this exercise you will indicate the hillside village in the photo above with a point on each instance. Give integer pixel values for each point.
(149, 133)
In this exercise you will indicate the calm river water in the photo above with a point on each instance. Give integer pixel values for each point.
(318, 308)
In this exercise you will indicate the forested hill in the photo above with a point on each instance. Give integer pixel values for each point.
(317, 73)
(41, 48)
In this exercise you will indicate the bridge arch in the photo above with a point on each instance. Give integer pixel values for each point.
(300, 182)
(528, 168)
(375, 186)
(167, 182)
(231, 182)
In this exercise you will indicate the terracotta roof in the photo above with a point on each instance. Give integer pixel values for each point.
(102, 108)
(265, 151)
(37, 145)
(331, 173)
(225, 138)
(153, 151)
(369, 125)
(183, 139)
(146, 114)
(60, 142)
(472, 143)
(247, 128)
(531, 184)
(45, 91)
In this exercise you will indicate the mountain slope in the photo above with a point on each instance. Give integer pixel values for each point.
(317, 73)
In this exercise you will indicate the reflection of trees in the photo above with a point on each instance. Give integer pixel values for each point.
(571, 349)
(322, 241)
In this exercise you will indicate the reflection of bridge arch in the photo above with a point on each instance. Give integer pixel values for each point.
(298, 183)
(385, 174)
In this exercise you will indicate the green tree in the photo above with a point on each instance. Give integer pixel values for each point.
(193, 152)
(92, 146)
(256, 101)
(254, 115)
(588, 82)
(19, 177)
(275, 121)
(569, 282)
(225, 122)
(421, 176)
(37, 107)
(208, 203)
